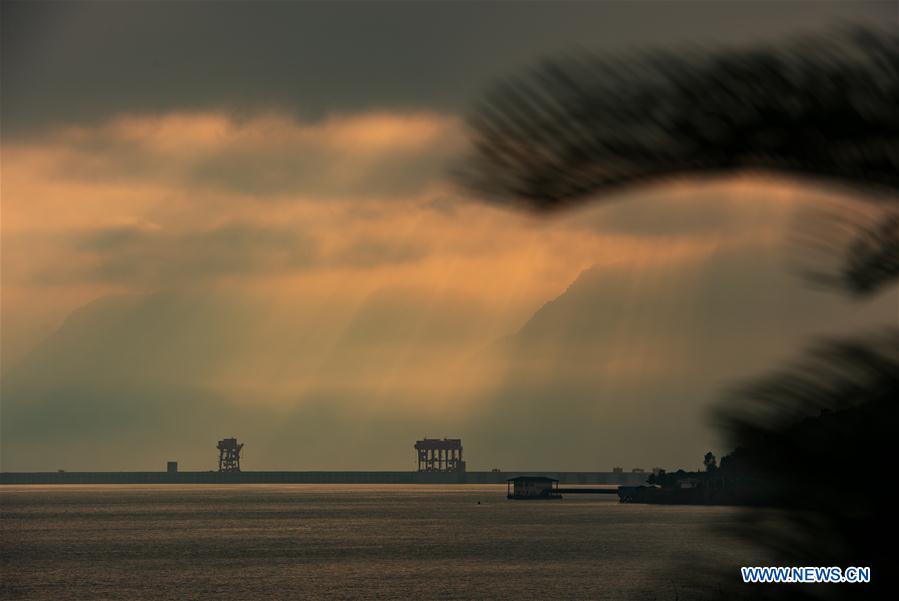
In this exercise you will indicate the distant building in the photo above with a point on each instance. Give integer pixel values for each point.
(617, 470)
(688, 483)
(532, 487)
(171, 467)
(436, 455)
(637, 470)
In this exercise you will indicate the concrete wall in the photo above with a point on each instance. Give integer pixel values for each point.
(310, 477)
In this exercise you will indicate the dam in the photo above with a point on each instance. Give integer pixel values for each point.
(315, 477)
(439, 462)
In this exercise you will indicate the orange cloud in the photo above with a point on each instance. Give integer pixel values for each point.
(327, 212)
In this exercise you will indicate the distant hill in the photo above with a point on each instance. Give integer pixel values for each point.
(604, 372)
(602, 375)
(128, 381)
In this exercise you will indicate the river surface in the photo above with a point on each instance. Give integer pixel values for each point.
(255, 542)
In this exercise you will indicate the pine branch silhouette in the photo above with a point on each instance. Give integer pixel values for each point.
(581, 127)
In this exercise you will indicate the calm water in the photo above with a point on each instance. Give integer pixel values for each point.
(349, 542)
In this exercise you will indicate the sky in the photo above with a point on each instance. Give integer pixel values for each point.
(228, 219)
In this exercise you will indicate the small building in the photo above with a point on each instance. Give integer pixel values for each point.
(171, 467)
(689, 483)
(532, 487)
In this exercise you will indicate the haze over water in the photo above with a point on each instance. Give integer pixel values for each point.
(358, 541)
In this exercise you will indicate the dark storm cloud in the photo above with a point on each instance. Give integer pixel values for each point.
(65, 62)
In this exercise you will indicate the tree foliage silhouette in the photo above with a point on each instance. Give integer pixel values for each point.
(815, 437)
(583, 126)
